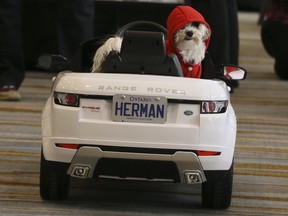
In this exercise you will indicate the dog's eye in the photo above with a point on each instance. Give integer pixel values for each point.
(196, 24)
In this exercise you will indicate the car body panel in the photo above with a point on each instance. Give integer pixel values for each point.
(185, 128)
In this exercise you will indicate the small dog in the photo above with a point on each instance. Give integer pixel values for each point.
(190, 42)
(188, 38)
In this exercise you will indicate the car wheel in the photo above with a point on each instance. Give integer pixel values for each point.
(217, 193)
(54, 182)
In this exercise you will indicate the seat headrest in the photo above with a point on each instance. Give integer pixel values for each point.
(143, 46)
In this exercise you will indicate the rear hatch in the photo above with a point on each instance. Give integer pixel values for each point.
(139, 109)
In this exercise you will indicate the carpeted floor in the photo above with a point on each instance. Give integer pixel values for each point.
(261, 160)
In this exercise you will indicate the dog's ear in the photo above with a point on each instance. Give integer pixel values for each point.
(206, 33)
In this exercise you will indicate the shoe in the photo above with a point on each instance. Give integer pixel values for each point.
(9, 93)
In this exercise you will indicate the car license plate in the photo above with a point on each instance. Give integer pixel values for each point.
(143, 109)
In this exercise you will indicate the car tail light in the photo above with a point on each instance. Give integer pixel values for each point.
(67, 145)
(66, 99)
(213, 107)
(208, 153)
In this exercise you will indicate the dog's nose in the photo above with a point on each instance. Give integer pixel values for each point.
(189, 33)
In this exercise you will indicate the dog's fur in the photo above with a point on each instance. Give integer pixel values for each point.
(189, 41)
(112, 44)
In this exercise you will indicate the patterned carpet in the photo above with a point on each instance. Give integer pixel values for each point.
(261, 160)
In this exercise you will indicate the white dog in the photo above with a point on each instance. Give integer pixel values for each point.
(189, 43)
(188, 37)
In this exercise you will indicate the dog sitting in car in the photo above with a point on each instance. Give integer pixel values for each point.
(188, 36)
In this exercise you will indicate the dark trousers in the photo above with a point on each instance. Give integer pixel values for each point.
(74, 25)
(233, 31)
(11, 53)
(274, 38)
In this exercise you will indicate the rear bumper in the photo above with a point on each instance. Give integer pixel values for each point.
(217, 162)
(85, 161)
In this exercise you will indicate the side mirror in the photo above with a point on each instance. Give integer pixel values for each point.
(233, 72)
(55, 63)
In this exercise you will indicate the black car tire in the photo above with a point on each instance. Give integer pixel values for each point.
(54, 182)
(217, 193)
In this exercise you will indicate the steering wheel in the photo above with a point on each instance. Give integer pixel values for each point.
(141, 25)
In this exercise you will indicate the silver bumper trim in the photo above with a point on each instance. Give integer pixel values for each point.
(86, 158)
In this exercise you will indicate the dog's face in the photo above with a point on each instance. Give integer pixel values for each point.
(190, 42)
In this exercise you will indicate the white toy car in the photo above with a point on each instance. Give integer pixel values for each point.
(152, 126)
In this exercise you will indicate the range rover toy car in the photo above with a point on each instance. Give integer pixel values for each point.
(140, 120)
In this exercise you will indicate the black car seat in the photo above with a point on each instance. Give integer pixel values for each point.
(142, 52)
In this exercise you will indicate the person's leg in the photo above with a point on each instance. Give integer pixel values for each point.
(233, 29)
(12, 67)
(281, 53)
(75, 24)
(267, 34)
(233, 37)
(274, 38)
(281, 67)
